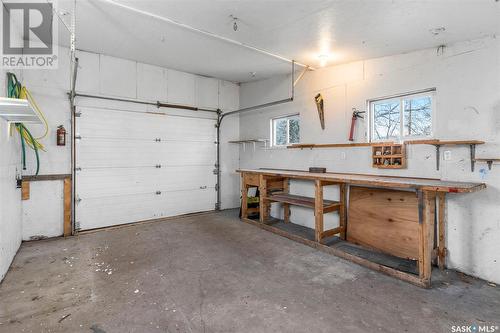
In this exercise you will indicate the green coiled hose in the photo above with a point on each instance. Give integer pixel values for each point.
(14, 91)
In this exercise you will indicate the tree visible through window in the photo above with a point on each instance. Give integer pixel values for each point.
(285, 130)
(401, 117)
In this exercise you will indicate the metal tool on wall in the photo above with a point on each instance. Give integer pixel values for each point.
(355, 115)
(321, 110)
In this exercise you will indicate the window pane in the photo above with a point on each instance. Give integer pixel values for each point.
(294, 129)
(417, 116)
(280, 131)
(386, 120)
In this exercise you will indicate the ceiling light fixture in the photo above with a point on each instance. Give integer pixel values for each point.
(323, 59)
(235, 22)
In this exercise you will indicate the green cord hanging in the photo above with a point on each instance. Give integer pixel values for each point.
(14, 91)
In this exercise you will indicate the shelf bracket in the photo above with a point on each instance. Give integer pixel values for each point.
(438, 155)
(473, 157)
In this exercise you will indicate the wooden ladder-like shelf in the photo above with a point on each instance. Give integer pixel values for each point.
(298, 200)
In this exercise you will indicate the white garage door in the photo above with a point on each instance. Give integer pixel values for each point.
(136, 166)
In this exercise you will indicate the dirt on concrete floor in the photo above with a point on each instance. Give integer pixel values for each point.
(213, 273)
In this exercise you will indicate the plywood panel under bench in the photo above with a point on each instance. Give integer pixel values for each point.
(385, 220)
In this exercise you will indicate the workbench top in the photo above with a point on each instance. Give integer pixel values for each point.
(425, 184)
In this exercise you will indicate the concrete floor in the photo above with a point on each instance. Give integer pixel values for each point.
(213, 273)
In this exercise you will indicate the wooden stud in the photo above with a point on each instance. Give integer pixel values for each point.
(426, 234)
(318, 210)
(286, 206)
(67, 207)
(342, 210)
(441, 255)
(264, 203)
(244, 197)
(25, 190)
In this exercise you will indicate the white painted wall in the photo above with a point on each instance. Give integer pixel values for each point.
(10, 195)
(467, 79)
(110, 76)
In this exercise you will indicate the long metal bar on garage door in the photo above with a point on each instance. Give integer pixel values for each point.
(134, 166)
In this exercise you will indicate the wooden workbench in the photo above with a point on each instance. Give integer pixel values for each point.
(391, 215)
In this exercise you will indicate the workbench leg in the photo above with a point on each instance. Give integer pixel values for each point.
(441, 230)
(67, 230)
(426, 212)
(244, 198)
(264, 205)
(286, 207)
(318, 210)
(342, 211)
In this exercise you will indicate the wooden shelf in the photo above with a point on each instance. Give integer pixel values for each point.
(438, 143)
(488, 161)
(297, 200)
(336, 145)
(444, 142)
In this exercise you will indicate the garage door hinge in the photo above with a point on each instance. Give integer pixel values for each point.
(78, 113)
(217, 206)
(78, 169)
(78, 199)
(158, 192)
(216, 187)
(158, 166)
(216, 171)
(78, 137)
(158, 140)
(77, 226)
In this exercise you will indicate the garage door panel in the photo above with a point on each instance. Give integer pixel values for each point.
(115, 210)
(184, 202)
(106, 123)
(107, 211)
(118, 179)
(126, 153)
(94, 183)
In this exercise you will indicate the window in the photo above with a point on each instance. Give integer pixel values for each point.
(285, 130)
(398, 118)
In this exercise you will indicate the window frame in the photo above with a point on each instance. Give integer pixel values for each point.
(401, 97)
(273, 132)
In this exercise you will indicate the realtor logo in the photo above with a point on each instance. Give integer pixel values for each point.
(29, 33)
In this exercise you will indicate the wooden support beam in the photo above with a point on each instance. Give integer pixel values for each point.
(343, 210)
(264, 203)
(318, 210)
(426, 207)
(332, 232)
(244, 198)
(441, 253)
(25, 190)
(67, 207)
(286, 206)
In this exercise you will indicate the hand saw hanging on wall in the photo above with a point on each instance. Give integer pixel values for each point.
(321, 110)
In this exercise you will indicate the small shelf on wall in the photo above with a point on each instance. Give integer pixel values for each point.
(389, 156)
(335, 145)
(254, 142)
(14, 110)
(489, 161)
(438, 143)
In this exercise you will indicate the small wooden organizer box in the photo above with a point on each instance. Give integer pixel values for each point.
(389, 156)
